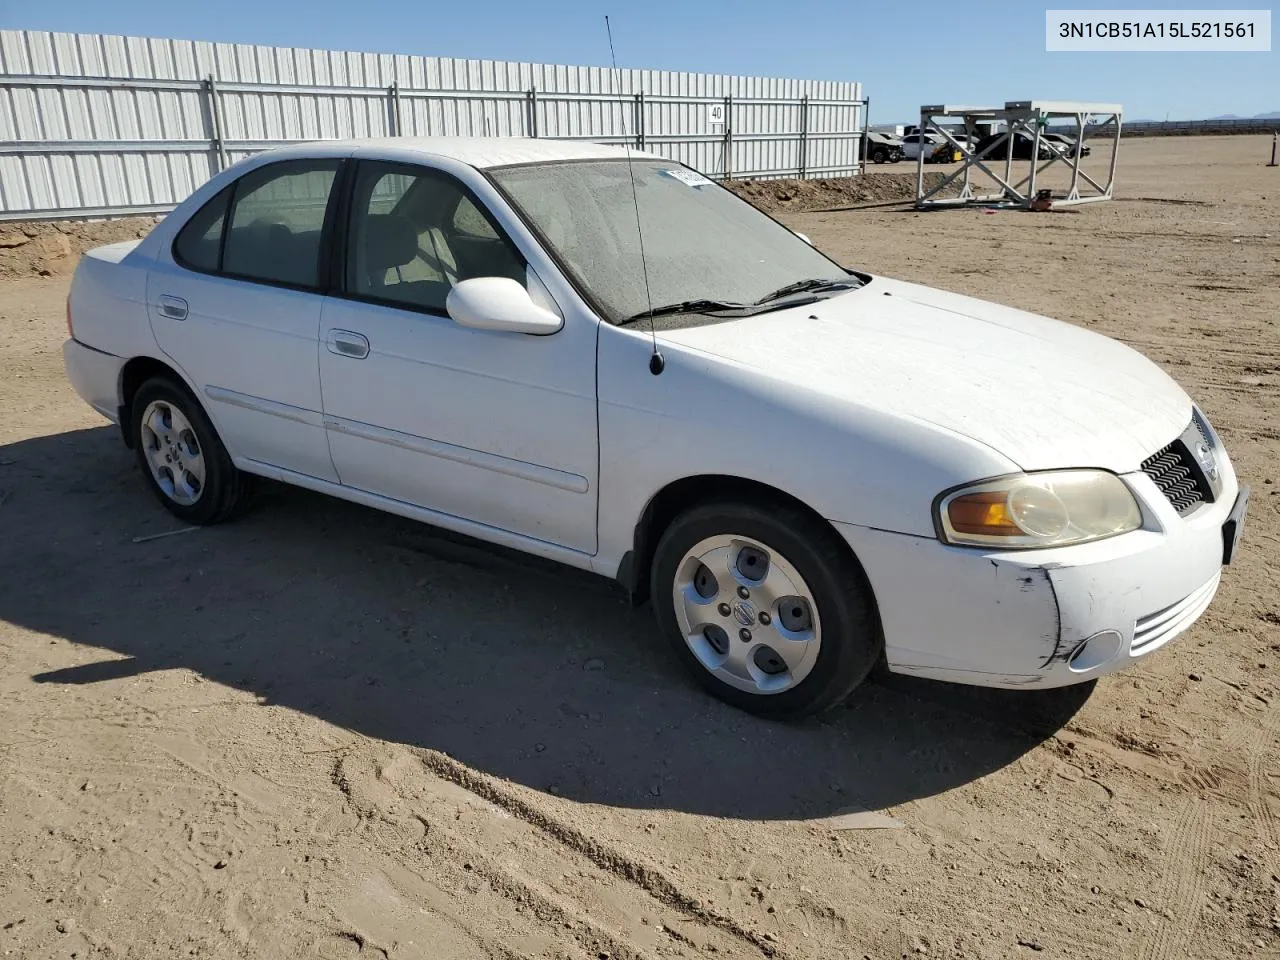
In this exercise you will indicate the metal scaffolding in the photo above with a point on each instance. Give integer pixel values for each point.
(1028, 118)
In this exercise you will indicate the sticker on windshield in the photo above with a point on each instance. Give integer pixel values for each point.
(690, 178)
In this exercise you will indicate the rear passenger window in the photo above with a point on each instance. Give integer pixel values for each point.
(277, 218)
(199, 243)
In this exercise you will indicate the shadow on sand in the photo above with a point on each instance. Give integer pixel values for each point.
(518, 668)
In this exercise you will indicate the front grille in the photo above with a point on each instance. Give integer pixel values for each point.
(1179, 477)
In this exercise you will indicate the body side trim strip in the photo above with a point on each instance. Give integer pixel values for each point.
(535, 473)
(272, 408)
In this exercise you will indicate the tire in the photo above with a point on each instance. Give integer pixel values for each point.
(879, 156)
(803, 558)
(172, 432)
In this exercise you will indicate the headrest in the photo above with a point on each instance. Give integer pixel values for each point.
(389, 241)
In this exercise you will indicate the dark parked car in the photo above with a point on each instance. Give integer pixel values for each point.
(1023, 145)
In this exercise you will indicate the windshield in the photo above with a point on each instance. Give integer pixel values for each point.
(700, 241)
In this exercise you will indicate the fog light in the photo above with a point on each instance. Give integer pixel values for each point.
(1094, 651)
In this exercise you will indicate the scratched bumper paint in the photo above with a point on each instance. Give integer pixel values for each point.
(1013, 619)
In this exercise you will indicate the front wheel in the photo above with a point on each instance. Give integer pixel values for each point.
(766, 607)
(879, 156)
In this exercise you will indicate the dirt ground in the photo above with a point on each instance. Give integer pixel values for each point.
(49, 249)
(325, 732)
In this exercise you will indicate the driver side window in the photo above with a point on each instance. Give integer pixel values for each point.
(414, 233)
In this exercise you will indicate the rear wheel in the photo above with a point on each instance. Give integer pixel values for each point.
(182, 457)
(880, 155)
(765, 606)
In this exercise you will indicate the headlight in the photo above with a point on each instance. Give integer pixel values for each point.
(1039, 510)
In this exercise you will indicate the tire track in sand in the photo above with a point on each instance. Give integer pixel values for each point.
(1259, 785)
(1182, 886)
(1182, 889)
(639, 875)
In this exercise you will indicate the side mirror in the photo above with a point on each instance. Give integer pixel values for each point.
(803, 237)
(498, 303)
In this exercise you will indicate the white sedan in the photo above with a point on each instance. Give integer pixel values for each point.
(914, 143)
(807, 468)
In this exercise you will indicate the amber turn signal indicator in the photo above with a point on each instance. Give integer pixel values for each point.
(983, 513)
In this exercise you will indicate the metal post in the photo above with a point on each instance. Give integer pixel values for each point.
(215, 122)
(1010, 130)
(639, 122)
(804, 133)
(393, 96)
(920, 158)
(1275, 141)
(1074, 192)
(533, 112)
(866, 133)
(1115, 155)
(728, 138)
(1035, 157)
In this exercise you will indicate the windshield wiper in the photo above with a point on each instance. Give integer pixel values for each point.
(804, 286)
(687, 306)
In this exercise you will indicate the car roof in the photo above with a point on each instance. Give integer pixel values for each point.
(478, 152)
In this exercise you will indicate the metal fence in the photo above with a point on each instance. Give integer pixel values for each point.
(1182, 128)
(94, 125)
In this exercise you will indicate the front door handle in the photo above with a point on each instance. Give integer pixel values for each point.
(347, 344)
(175, 308)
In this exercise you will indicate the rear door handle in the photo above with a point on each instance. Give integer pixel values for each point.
(175, 308)
(348, 344)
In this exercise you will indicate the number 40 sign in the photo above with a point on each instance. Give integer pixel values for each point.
(715, 113)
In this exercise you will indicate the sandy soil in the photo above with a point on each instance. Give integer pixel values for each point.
(325, 732)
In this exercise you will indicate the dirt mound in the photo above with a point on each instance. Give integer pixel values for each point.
(797, 196)
(53, 247)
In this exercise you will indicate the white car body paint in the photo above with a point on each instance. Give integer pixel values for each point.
(911, 145)
(864, 406)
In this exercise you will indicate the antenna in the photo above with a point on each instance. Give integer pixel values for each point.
(656, 362)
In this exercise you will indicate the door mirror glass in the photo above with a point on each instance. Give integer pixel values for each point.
(498, 303)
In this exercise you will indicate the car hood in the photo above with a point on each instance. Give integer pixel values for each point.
(1042, 393)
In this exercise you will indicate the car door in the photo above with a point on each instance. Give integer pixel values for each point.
(492, 427)
(236, 306)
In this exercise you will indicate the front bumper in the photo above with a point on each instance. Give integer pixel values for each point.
(1022, 618)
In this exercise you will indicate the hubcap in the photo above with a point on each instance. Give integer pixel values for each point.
(173, 453)
(747, 614)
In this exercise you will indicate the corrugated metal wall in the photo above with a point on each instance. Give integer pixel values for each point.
(94, 125)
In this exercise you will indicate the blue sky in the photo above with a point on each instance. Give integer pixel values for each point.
(905, 53)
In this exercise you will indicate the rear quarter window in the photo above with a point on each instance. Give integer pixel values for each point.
(199, 242)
